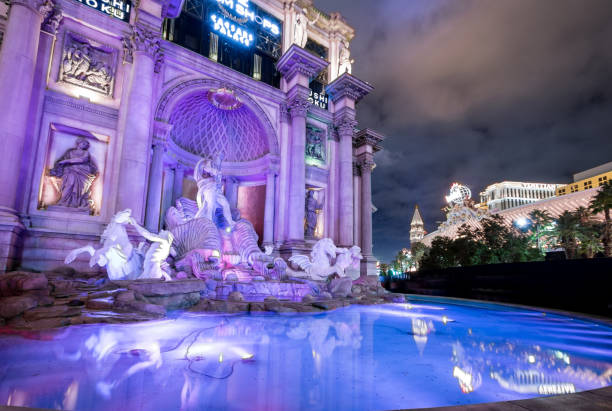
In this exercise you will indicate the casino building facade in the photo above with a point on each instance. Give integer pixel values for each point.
(108, 105)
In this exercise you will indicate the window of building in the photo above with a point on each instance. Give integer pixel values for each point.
(257, 67)
(202, 28)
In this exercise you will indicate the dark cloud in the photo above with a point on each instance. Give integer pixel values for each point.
(478, 91)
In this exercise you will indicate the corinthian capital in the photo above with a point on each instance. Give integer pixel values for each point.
(366, 163)
(346, 127)
(52, 17)
(298, 108)
(41, 7)
(143, 40)
(298, 103)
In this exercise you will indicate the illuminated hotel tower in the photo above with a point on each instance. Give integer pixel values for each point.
(417, 228)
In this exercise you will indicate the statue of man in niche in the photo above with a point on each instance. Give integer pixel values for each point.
(312, 209)
(78, 171)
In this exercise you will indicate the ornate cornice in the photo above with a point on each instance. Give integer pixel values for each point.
(297, 61)
(368, 137)
(348, 86)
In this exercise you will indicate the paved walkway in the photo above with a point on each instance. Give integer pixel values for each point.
(593, 400)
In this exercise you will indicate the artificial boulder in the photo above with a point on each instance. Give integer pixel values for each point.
(13, 306)
(340, 287)
(18, 282)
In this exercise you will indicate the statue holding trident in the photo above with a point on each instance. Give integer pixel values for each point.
(207, 174)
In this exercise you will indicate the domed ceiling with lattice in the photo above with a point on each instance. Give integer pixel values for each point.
(204, 129)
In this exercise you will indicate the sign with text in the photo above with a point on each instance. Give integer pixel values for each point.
(245, 24)
(119, 9)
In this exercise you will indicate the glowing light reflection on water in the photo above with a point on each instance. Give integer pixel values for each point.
(380, 357)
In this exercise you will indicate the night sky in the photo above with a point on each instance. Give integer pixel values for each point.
(478, 91)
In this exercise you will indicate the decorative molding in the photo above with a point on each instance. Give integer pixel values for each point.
(88, 64)
(81, 110)
(356, 170)
(172, 96)
(285, 117)
(348, 86)
(368, 137)
(161, 133)
(297, 61)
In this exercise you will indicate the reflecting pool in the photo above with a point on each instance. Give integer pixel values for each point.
(421, 354)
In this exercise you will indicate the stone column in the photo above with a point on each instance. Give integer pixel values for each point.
(268, 234)
(298, 67)
(345, 92)
(144, 48)
(177, 187)
(283, 177)
(297, 182)
(366, 163)
(367, 142)
(156, 175)
(17, 70)
(167, 192)
(17, 67)
(345, 158)
(356, 205)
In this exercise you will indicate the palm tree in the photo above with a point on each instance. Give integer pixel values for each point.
(540, 220)
(567, 230)
(602, 203)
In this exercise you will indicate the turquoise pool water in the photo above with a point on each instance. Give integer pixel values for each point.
(421, 354)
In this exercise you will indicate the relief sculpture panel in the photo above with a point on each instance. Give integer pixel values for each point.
(88, 64)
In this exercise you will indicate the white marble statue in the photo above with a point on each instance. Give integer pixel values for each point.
(300, 28)
(157, 253)
(122, 260)
(319, 265)
(207, 174)
(345, 64)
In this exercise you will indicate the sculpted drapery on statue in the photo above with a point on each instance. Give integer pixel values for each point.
(210, 195)
(312, 209)
(345, 64)
(300, 28)
(78, 171)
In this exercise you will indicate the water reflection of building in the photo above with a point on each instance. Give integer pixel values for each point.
(152, 88)
(525, 369)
